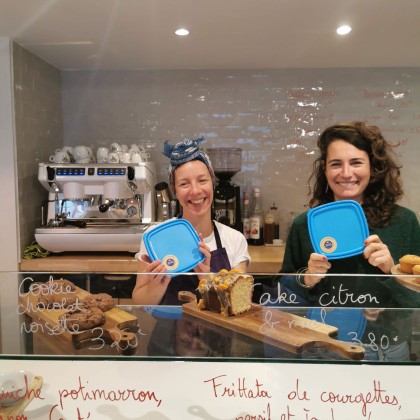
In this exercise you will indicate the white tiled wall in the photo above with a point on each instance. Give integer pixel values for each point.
(38, 131)
(275, 116)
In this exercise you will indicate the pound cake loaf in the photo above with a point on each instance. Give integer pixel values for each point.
(407, 262)
(227, 292)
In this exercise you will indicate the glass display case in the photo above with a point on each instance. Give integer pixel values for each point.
(282, 335)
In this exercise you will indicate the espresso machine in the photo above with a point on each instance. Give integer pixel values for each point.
(226, 162)
(96, 206)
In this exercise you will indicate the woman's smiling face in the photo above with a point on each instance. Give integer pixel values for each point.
(347, 170)
(194, 188)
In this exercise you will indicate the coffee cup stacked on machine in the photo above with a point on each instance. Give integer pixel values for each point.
(115, 153)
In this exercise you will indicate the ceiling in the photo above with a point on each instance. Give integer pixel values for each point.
(239, 34)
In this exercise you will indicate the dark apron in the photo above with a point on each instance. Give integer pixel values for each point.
(219, 261)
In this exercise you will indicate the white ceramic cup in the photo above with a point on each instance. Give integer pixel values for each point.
(145, 156)
(134, 148)
(102, 154)
(126, 157)
(81, 152)
(69, 150)
(124, 148)
(115, 147)
(91, 154)
(84, 160)
(136, 157)
(60, 157)
(113, 157)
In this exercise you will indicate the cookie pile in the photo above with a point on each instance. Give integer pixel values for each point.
(55, 294)
(90, 313)
(80, 314)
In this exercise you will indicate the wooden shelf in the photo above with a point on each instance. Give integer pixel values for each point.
(264, 259)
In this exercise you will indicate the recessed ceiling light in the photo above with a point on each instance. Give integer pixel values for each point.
(344, 30)
(182, 31)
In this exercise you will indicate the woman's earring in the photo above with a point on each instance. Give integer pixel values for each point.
(326, 189)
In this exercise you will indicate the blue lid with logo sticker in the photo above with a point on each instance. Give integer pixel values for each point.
(338, 229)
(175, 243)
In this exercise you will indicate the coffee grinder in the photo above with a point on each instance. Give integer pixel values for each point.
(226, 163)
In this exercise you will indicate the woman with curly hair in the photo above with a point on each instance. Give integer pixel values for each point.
(384, 188)
(355, 163)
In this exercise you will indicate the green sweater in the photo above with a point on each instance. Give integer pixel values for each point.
(402, 236)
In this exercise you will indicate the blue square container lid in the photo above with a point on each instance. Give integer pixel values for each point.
(338, 229)
(351, 322)
(175, 243)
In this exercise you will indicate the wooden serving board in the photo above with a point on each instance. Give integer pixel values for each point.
(410, 281)
(281, 329)
(116, 320)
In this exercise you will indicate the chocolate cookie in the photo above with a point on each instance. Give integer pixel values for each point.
(63, 286)
(81, 319)
(102, 301)
(57, 301)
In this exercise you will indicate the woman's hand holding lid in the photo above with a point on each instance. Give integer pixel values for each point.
(317, 264)
(156, 267)
(203, 266)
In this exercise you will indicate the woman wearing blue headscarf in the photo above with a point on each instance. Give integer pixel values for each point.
(191, 177)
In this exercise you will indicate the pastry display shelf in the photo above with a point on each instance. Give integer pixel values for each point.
(277, 328)
(278, 348)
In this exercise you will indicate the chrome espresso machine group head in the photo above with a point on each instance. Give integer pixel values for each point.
(96, 207)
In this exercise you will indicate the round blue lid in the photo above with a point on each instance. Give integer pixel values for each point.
(338, 229)
(175, 243)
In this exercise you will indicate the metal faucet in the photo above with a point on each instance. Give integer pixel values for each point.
(54, 187)
(133, 186)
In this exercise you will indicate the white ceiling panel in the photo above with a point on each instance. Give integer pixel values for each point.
(139, 34)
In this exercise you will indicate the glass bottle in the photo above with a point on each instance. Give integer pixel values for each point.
(269, 228)
(274, 210)
(246, 221)
(257, 213)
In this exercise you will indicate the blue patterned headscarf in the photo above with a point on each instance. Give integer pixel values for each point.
(183, 152)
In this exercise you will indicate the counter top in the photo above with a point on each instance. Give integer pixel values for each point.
(265, 259)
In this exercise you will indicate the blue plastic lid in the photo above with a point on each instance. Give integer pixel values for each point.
(175, 243)
(338, 229)
(351, 322)
(163, 311)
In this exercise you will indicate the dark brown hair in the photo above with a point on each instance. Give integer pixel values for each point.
(385, 185)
